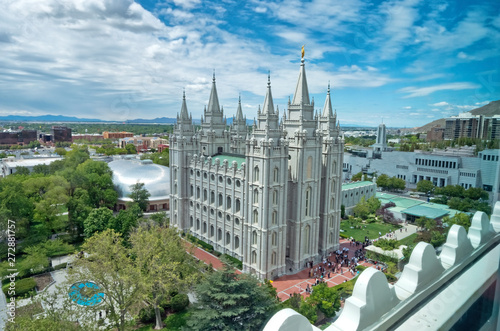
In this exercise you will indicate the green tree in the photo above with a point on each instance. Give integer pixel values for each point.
(357, 177)
(96, 178)
(362, 209)
(397, 184)
(126, 219)
(430, 224)
(383, 181)
(461, 219)
(130, 148)
(22, 171)
(425, 186)
(228, 301)
(78, 210)
(161, 219)
(421, 221)
(35, 262)
(60, 151)
(326, 299)
(373, 204)
(476, 193)
(140, 195)
(97, 221)
(165, 266)
(111, 267)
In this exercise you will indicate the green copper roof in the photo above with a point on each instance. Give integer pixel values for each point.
(355, 184)
(230, 158)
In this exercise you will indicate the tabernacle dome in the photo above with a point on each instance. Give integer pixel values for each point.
(156, 179)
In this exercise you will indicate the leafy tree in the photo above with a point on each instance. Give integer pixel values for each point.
(140, 195)
(161, 219)
(476, 193)
(383, 181)
(326, 299)
(397, 183)
(22, 171)
(60, 151)
(36, 261)
(421, 221)
(373, 204)
(78, 211)
(110, 266)
(437, 238)
(130, 148)
(459, 219)
(425, 186)
(430, 224)
(164, 264)
(357, 177)
(126, 219)
(96, 178)
(228, 301)
(362, 209)
(451, 191)
(97, 221)
(41, 169)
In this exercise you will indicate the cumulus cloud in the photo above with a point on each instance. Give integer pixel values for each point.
(440, 104)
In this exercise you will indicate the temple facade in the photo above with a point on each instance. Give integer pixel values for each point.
(269, 194)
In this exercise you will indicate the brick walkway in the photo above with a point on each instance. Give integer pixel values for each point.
(297, 283)
(208, 258)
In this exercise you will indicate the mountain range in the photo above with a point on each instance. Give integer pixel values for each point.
(489, 110)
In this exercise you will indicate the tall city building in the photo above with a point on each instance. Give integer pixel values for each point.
(269, 196)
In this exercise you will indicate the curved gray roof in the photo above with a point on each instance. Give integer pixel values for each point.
(156, 178)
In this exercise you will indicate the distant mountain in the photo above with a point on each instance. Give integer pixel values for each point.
(493, 108)
(162, 120)
(46, 118)
(489, 110)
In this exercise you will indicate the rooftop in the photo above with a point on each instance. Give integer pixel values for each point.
(356, 184)
(230, 158)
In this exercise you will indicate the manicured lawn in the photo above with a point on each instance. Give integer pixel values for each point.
(369, 229)
(408, 240)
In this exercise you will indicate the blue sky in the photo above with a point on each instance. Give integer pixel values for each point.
(405, 63)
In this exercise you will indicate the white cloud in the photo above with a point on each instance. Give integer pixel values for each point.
(440, 104)
(407, 107)
(260, 9)
(422, 91)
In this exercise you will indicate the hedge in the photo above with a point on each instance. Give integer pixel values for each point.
(23, 286)
(201, 243)
(234, 261)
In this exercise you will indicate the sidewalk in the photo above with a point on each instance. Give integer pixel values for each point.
(297, 283)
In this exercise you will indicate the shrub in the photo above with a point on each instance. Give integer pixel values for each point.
(23, 286)
(176, 322)
(61, 266)
(233, 261)
(361, 268)
(179, 302)
(387, 244)
(147, 315)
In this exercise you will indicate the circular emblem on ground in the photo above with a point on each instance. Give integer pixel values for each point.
(86, 294)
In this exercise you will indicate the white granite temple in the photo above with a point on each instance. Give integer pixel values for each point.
(269, 196)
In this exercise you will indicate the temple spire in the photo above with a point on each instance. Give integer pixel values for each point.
(239, 112)
(213, 102)
(327, 109)
(268, 101)
(184, 111)
(301, 95)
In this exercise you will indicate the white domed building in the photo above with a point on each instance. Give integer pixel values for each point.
(156, 179)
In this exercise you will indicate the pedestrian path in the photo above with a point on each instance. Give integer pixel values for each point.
(297, 283)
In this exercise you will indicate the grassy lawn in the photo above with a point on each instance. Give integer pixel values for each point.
(408, 240)
(371, 230)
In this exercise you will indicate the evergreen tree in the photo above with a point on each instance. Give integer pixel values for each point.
(228, 301)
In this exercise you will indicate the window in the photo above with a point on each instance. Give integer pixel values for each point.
(212, 231)
(255, 216)
(309, 166)
(197, 224)
(191, 221)
(191, 191)
(229, 181)
(228, 218)
(205, 175)
(306, 247)
(205, 195)
(256, 196)
(332, 203)
(274, 238)
(219, 235)
(238, 183)
(331, 221)
(197, 193)
(274, 217)
(236, 242)
(238, 205)
(228, 238)
(221, 180)
(228, 202)
(330, 238)
(237, 221)
(275, 197)
(254, 257)
(276, 174)
(254, 238)
(273, 258)
(204, 227)
(308, 202)
(256, 174)
(175, 189)
(221, 201)
(212, 197)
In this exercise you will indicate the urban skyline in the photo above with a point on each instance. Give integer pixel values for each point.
(405, 63)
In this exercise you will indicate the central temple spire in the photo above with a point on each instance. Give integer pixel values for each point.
(327, 109)
(301, 96)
